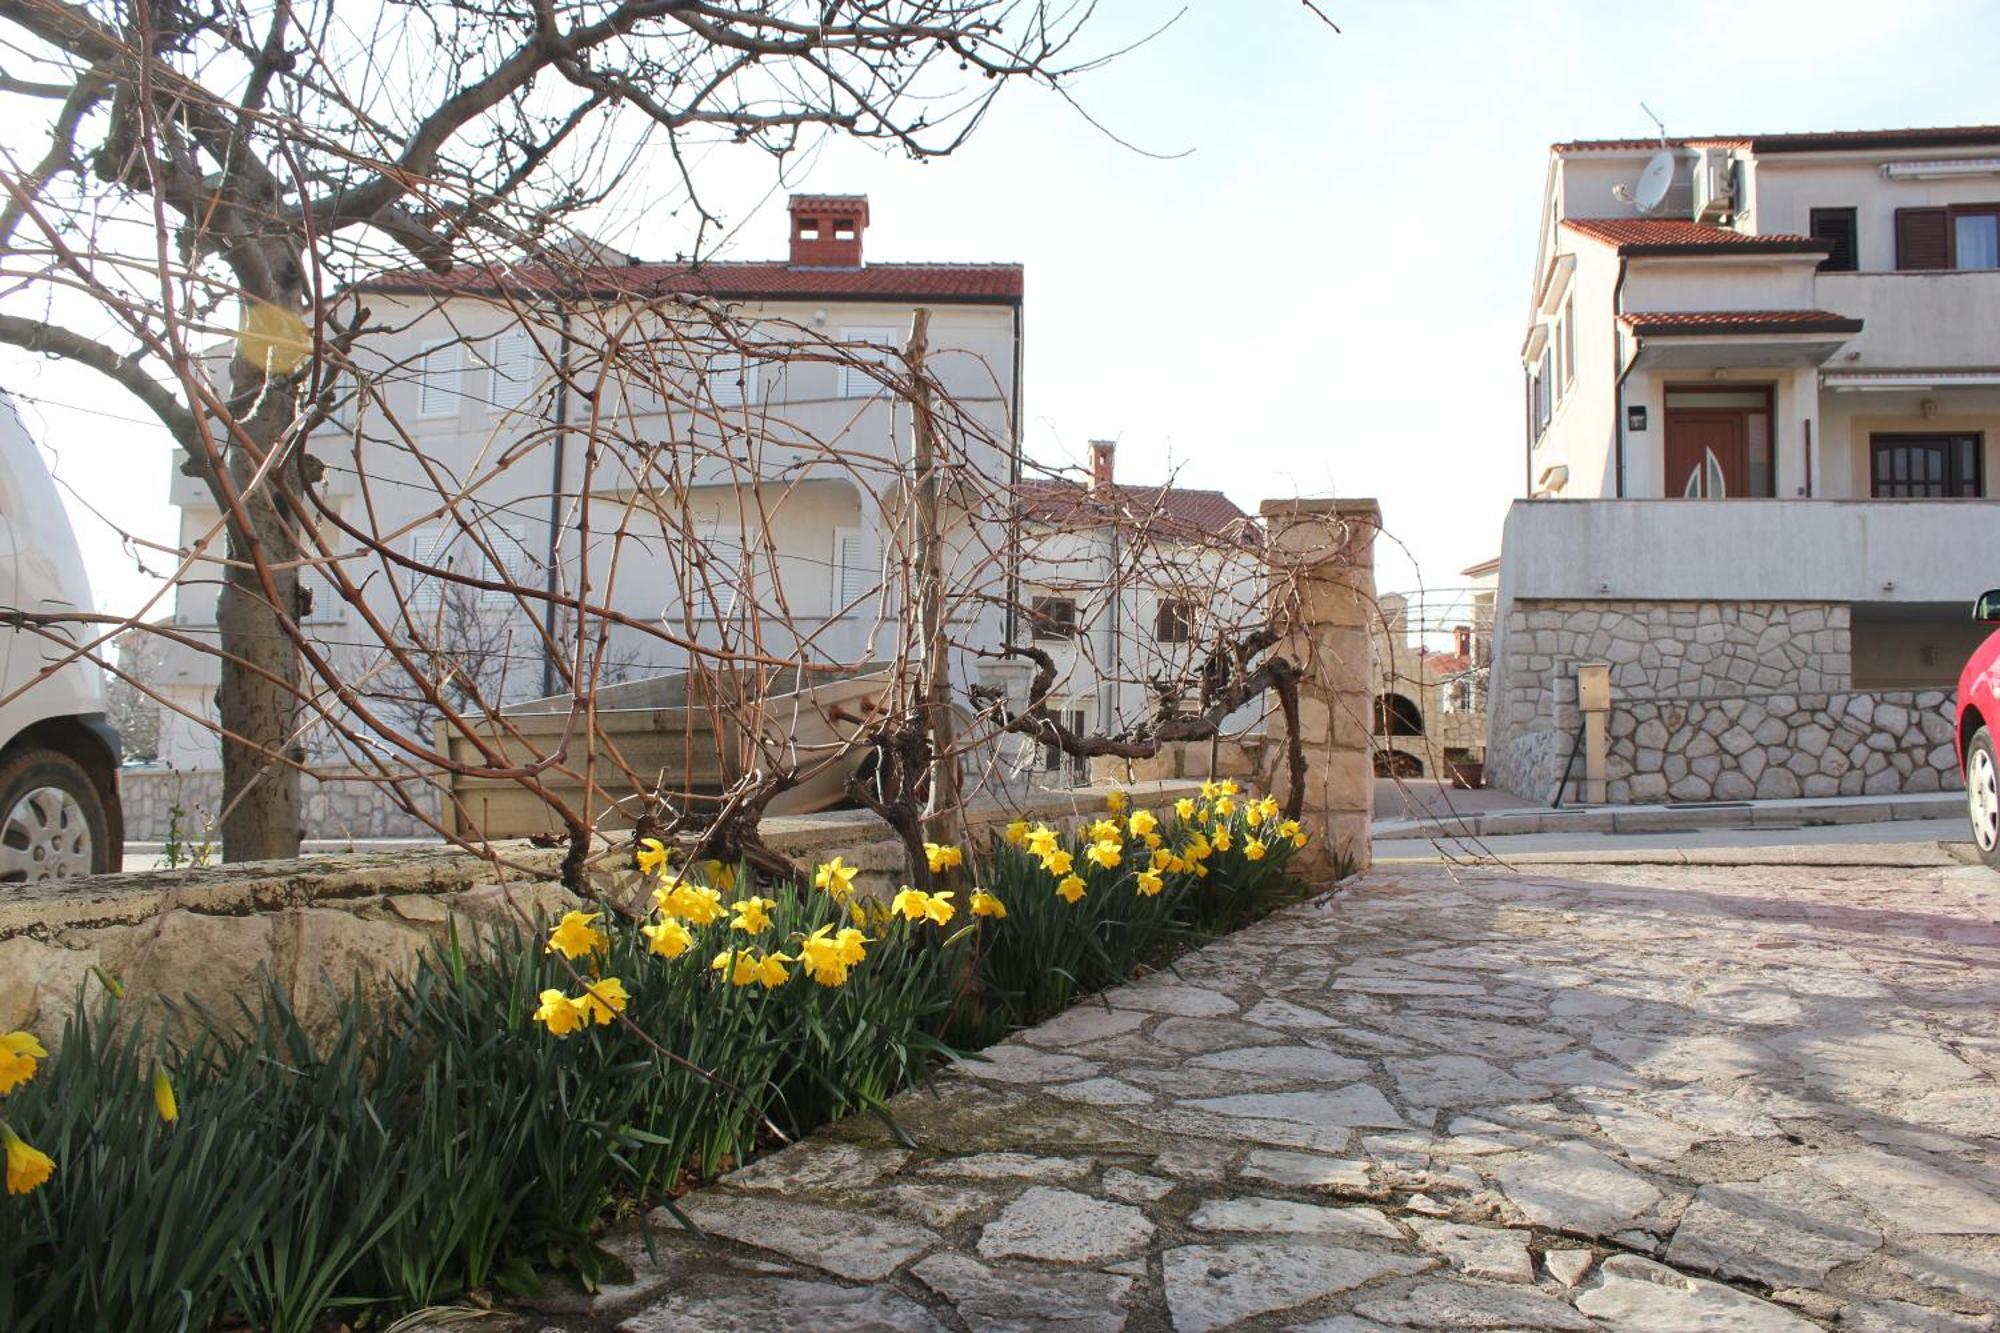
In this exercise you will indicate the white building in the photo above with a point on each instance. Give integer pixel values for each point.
(793, 471)
(1126, 585)
(1763, 421)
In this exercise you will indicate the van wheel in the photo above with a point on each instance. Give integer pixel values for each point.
(52, 823)
(1982, 796)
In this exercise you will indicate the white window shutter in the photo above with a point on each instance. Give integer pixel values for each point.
(856, 570)
(731, 380)
(513, 364)
(427, 550)
(513, 566)
(718, 567)
(855, 381)
(438, 393)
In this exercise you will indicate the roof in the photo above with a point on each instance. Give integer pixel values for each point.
(1691, 323)
(1677, 236)
(1809, 141)
(1070, 503)
(755, 280)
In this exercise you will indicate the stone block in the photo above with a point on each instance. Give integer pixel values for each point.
(40, 984)
(1777, 784)
(1733, 786)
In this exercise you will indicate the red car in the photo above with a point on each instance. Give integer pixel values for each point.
(1978, 721)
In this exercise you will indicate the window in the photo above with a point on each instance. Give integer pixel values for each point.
(1053, 758)
(1543, 404)
(453, 550)
(1919, 466)
(1569, 342)
(1961, 236)
(1053, 617)
(856, 382)
(1837, 226)
(1556, 359)
(1173, 622)
(731, 381)
(511, 364)
(856, 571)
(438, 390)
(716, 576)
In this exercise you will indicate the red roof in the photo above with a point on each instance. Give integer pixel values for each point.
(1695, 322)
(1070, 504)
(1677, 236)
(758, 280)
(1810, 141)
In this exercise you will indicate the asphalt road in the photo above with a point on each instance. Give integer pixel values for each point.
(1902, 830)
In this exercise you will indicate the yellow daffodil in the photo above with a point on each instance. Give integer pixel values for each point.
(1199, 848)
(943, 856)
(694, 904)
(1115, 802)
(1227, 787)
(939, 909)
(1268, 807)
(18, 1053)
(669, 939)
(820, 958)
(1042, 840)
(1142, 823)
(603, 1000)
(1152, 841)
(1184, 808)
(1017, 833)
(854, 912)
(1209, 791)
(753, 915)
(1289, 829)
(1175, 866)
(560, 1014)
(1162, 858)
(1059, 862)
(1071, 888)
(1103, 854)
(1150, 883)
(652, 856)
(1219, 838)
(1105, 830)
(163, 1097)
(1253, 849)
(741, 967)
(771, 971)
(985, 904)
(1224, 807)
(575, 936)
(852, 945)
(1253, 814)
(911, 903)
(721, 877)
(27, 1167)
(836, 878)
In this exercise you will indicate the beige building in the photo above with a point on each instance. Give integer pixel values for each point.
(1762, 408)
(1429, 716)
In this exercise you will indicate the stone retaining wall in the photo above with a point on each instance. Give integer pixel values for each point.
(1780, 746)
(320, 924)
(333, 806)
(1710, 701)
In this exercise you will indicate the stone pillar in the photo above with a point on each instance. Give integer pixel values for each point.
(1322, 557)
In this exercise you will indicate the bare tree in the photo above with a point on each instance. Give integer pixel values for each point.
(222, 174)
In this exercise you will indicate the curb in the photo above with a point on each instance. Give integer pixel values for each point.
(1679, 818)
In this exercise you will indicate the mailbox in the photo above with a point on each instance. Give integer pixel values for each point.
(1593, 686)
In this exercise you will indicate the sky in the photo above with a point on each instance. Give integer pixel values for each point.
(1307, 275)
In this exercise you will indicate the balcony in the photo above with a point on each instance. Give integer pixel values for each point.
(1751, 550)
(1931, 320)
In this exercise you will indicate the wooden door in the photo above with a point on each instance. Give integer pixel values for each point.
(1708, 454)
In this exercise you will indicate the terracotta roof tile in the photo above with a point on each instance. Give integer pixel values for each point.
(768, 280)
(1809, 141)
(1070, 504)
(1677, 236)
(1692, 322)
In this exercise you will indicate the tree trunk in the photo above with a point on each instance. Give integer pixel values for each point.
(943, 802)
(262, 675)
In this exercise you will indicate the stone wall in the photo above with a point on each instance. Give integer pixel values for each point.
(1779, 746)
(1775, 678)
(333, 807)
(321, 924)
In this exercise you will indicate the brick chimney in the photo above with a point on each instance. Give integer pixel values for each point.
(826, 230)
(1103, 465)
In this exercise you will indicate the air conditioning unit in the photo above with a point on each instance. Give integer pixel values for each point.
(1714, 188)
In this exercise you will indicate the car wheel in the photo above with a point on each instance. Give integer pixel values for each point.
(1982, 796)
(52, 823)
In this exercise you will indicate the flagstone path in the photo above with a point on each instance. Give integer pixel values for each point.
(1676, 1098)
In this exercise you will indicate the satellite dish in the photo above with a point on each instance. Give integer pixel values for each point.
(1654, 181)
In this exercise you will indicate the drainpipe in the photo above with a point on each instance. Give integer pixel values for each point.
(1528, 429)
(557, 469)
(1619, 370)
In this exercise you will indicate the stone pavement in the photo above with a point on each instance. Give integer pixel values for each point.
(1756, 1097)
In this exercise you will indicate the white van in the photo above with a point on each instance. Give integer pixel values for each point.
(59, 811)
